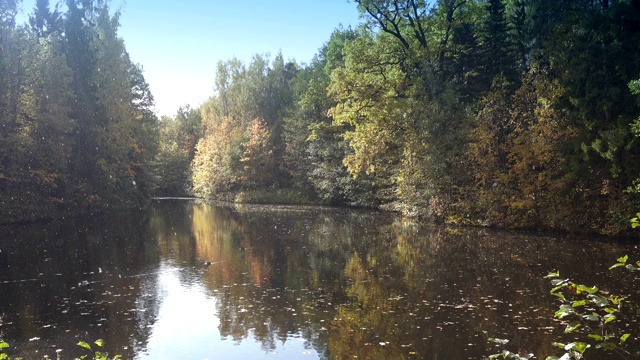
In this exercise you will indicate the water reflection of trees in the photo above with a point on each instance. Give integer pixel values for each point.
(454, 289)
(275, 271)
(72, 280)
(363, 284)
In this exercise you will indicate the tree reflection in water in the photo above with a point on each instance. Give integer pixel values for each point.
(358, 283)
(287, 282)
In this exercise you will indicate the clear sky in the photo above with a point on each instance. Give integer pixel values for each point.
(179, 43)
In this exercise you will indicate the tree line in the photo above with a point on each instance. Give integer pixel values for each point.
(76, 118)
(508, 113)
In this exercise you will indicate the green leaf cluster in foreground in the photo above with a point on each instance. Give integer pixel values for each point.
(506, 354)
(3, 355)
(596, 317)
(95, 353)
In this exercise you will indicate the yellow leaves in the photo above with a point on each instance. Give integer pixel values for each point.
(369, 141)
(136, 148)
(355, 269)
(522, 204)
(258, 159)
(211, 163)
(258, 142)
(516, 150)
(373, 96)
(230, 153)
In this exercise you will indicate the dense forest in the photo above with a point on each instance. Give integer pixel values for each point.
(78, 129)
(507, 113)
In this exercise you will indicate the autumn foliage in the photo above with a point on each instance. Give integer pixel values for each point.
(518, 114)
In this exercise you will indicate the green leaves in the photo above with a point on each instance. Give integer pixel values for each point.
(564, 311)
(624, 338)
(608, 318)
(578, 346)
(97, 355)
(506, 354)
(591, 317)
(552, 274)
(595, 337)
(621, 260)
(632, 268)
(589, 290)
(588, 310)
(575, 289)
(4, 356)
(499, 341)
(558, 284)
(84, 345)
(375, 100)
(579, 303)
(571, 327)
(3, 345)
(564, 357)
(598, 300)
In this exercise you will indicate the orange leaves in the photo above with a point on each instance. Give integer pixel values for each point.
(213, 164)
(516, 151)
(536, 161)
(135, 147)
(258, 159)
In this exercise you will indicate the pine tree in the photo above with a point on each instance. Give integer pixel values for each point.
(43, 21)
(497, 49)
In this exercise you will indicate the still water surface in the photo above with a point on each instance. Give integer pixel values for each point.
(285, 283)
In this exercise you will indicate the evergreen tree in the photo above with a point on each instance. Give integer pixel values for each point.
(43, 21)
(521, 34)
(36, 127)
(498, 55)
(80, 58)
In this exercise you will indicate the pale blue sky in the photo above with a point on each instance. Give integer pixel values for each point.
(179, 42)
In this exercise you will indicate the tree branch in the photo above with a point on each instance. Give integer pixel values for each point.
(388, 23)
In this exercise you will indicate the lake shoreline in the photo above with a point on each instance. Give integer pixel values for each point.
(96, 210)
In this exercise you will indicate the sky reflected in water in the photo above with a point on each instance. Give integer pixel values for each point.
(187, 316)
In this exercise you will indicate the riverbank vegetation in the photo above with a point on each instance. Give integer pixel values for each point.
(507, 113)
